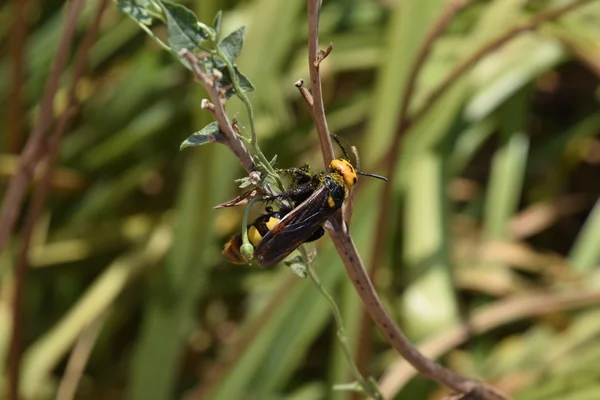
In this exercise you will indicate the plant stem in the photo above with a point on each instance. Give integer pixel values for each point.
(245, 240)
(242, 96)
(366, 385)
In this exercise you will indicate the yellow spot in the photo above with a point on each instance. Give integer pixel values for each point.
(254, 236)
(331, 202)
(271, 223)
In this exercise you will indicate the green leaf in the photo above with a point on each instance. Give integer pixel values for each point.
(244, 182)
(205, 135)
(217, 24)
(184, 30)
(245, 83)
(232, 44)
(135, 11)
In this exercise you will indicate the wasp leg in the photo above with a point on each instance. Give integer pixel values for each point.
(299, 175)
(297, 194)
(316, 235)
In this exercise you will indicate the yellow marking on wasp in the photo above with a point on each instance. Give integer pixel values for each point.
(331, 202)
(346, 170)
(254, 236)
(232, 251)
(271, 223)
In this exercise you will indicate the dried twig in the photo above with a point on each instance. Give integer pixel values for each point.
(79, 358)
(352, 261)
(490, 47)
(308, 99)
(393, 333)
(318, 109)
(489, 317)
(40, 194)
(383, 216)
(405, 122)
(386, 196)
(13, 199)
(230, 138)
(18, 33)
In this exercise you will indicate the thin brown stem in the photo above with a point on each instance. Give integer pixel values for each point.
(352, 261)
(17, 36)
(308, 99)
(403, 125)
(318, 109)
(488, 48)
(360, 279)
(483, 320)
(405, 122)
(230, 138)
(40, 194)
(383, 216)
(79, 358)
(13, 200)
(386, 196)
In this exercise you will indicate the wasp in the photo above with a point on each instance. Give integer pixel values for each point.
(256, 232)
(315, 197)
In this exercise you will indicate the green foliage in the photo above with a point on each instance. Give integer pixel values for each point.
(203, 136)
(185, 32)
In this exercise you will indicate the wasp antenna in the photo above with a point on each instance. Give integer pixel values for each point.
(383, 178)
(339, 143)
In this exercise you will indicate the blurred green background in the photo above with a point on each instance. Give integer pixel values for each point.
(494, 216)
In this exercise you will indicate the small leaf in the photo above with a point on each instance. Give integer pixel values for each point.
(245, 83)
(217, 24)
(244, 182)
(184, 31)
(273, 161)
(205, 135)
(135, 11)
(232, 44)
(241, 200)
(297, 265)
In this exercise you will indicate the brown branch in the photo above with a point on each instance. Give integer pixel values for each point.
(379, 241)
(18, 33)
(323, 55)
(353, 263)
(484, 320)
(405, 122)
(318, 109)
(41, 192)
(393, 334)
(488, 48)
(79, 358)
(386, 196)
(308, 99)
(229, 138)
(30, 156)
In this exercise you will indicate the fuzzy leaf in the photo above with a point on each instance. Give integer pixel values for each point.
(136, 11)
(184, 31)
(232, 44)
(205, 135)
(217, 24)
(245, 83)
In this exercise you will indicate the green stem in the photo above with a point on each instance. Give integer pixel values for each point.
(242, 96)
(245, 241)
(367, 386)
(156, 39)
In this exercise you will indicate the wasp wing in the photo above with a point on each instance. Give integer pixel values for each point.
(295, 228)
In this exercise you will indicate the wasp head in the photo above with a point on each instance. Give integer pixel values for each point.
(342, 167)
